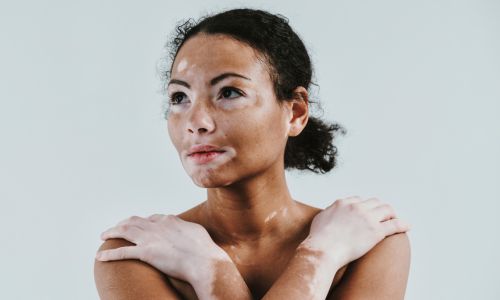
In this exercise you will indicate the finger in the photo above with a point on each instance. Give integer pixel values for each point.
(126, 252)
(135, 221)
(130, 233)
(347, 200)
(370, 203)
(352, 199)
(393, 226)
(155, 217)
(384, 212)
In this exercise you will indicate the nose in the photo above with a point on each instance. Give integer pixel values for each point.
(200, 118)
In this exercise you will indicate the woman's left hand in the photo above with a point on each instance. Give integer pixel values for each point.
(176, 247)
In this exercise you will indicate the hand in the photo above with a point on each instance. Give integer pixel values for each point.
(176, 247)
(350, 227)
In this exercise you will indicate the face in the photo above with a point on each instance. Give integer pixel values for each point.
(236, 113)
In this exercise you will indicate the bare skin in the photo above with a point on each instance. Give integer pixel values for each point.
(249, 212)
(260, 262)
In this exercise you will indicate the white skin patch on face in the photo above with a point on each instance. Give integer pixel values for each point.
(182, 65)
(199, 173)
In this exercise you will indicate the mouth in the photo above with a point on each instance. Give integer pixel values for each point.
(205, 156)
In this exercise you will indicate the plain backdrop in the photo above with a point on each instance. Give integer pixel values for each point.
(84, 144)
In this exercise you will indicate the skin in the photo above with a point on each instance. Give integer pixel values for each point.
(249, 211)
(261, 242)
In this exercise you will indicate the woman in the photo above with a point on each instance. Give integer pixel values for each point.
(238, 117)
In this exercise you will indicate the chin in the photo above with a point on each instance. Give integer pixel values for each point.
(208, 183)
(210, 180)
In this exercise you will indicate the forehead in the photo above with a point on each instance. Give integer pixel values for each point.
(212, 54)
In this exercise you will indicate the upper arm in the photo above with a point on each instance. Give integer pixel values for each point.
(130, 278)
(382, 273)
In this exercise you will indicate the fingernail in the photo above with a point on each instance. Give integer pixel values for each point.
(98, 255)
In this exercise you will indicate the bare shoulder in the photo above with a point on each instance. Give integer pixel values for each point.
(382, 273)
(130, 278)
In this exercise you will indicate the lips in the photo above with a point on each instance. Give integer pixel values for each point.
(204, 149)
(205, 157)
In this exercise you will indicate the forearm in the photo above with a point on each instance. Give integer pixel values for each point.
(222, 280)
(308, 276)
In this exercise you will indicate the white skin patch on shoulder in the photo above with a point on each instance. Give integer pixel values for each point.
(182, 65)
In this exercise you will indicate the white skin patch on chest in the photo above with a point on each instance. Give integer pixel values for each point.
(283, 211)
(270, 216)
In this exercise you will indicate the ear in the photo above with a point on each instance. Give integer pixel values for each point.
(298, 111)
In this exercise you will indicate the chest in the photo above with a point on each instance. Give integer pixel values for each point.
(259, 274)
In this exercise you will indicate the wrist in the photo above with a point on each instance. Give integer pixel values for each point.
(219, 279)
(204, 268)
(329, 255)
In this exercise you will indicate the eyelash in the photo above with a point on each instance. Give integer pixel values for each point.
(226, 88)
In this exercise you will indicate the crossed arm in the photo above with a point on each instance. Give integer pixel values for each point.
(382, 273)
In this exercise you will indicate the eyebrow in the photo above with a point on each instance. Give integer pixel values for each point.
(213, 82)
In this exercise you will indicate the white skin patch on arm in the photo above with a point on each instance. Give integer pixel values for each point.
(312, 279)
(312, 276)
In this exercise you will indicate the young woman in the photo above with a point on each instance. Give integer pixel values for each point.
(238, 117)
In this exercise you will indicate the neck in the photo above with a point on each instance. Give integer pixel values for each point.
(251, 210)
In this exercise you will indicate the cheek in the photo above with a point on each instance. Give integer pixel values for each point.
(174, 133)
(257, 137)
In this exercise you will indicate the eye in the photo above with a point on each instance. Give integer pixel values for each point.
(227, 91)
(176, 98)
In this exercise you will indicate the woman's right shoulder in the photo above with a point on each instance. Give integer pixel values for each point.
(130, 278)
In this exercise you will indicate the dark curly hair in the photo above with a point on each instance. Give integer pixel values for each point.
(289, 66)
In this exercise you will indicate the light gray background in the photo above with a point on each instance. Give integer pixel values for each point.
(84, 145)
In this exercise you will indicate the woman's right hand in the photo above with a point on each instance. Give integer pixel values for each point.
(350, 227)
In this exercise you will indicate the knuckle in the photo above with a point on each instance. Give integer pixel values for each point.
(171, 217)
(391, 209)
(340, 202)
(402, 225)
(355, 207)
(388, 207)
(397, 224)
(160, 218)
(134, 218)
